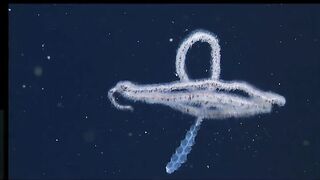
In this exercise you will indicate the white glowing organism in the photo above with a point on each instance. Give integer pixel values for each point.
(210, 98)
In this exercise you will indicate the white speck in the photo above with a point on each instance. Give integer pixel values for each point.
(208, 166)
(306, 143)
(253, 140)
(176, 74)
(66, 13)
(9, 9)
(37, 71)
(24, 86)
(95, 146)
(279, 84)
(280, 41)
(172, 22)
(57, 140)
(186, 30)
(59, 105)
(271, 74)
(42, 89)
(38, 14)
(295, 38)
(170, 39)
(101, 152)
(145, 132)
(239, 63)
(42, 45)
(48, 57)
(130, 134)
(86, 117)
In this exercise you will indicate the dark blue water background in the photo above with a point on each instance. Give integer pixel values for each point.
(63, 59)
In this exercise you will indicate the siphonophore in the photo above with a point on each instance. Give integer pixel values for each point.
(210, 98)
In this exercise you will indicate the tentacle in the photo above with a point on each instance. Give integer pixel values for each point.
(114, 102)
